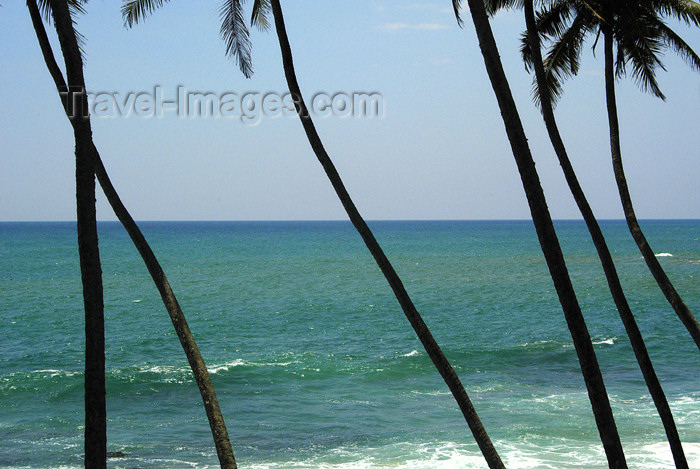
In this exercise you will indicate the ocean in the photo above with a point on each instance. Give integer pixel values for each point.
(313, 362)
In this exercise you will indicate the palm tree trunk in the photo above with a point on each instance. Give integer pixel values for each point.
(199, 370)
(91, 272)
(669, 291)
(548, 240)
(421, 329)
(601, 246)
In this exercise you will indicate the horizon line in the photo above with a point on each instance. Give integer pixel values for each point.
(311, 220)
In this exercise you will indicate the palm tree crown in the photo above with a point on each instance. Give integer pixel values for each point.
(638, 29)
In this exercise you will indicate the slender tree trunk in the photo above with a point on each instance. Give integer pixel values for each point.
(601, 246)
(91, 272)
(679, 306)
(199, 370)
(421, 329)
(548, 240)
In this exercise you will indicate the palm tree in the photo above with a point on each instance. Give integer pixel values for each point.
(95, 457)
(547, 235)
(639, 34)
(238, 45)
(88, 248)
(532, 50)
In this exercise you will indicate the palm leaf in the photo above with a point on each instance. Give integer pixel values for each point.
(493, 6)
(564, 57)
(640, 45)
(134, 11)
(553, 20)
(684, 10)
(457, 7)
(236, 35)
(261, 11)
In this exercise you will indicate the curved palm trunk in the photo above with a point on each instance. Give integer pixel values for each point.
(601, 246)
(548, 240)
(194, 357)
(679, 306)
(90, 268)
(421, 329)
(199, 370)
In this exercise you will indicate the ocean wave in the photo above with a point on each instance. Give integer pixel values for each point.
(610, 341)
(39, 374)
(664, 254)
(659, 455)
(545, 344)
(432, 393)
(399, 455)
(227, 366)
(213, 369)
(53, 373)
(412, 353)
(527, 453)
(553, 344)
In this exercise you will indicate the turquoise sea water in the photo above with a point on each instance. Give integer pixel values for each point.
(314, 363)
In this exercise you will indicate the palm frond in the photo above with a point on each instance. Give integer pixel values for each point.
(639, 45)
(553, 20)
(642, 42)
(457, 7)
(134, 11)
(45, 9)
(644, 71)
(594, 9)
(675, 42)
(553, 85)
(684, 10)
(261, 11)
(564, 57)
(526, 52)
(236, 35)
(493, 6)
(554, 89)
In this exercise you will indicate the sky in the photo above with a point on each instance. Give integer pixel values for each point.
(438, 149)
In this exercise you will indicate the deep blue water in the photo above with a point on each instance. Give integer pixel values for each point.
(315, 365)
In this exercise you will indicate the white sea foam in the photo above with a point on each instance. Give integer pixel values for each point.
(158, 369)
(664, 254)
(240, 362)
(136, 301)
(523, 454)
(213, 369)
(432, 393)
(659, 455)
(53, 373)
(610, 341)
(226, 366)
(412, 353)
(399, 455)
(538, 342)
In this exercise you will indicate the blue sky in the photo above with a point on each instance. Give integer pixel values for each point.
(438, 152)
